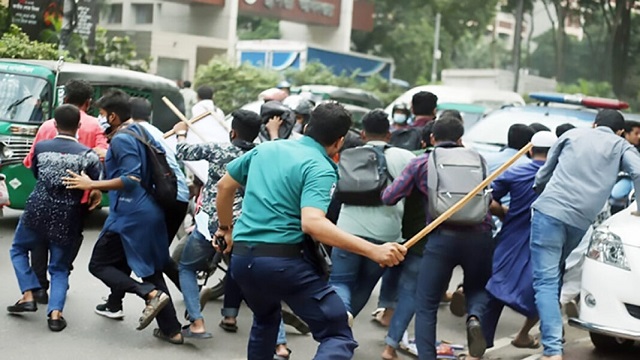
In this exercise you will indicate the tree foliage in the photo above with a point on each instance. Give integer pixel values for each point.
(257, 28)
(15, 44)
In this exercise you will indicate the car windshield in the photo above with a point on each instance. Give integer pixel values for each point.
(493, 129)
(24, 98)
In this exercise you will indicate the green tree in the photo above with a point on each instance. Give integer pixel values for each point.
(235, 85)
(15, 44)
(257, 28)
(116, 51)
(586, 87)
(316, 73)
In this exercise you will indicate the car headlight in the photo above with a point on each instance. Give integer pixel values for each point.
(5, 151)
(607, 248)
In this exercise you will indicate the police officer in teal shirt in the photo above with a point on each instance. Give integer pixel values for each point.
(288, 185)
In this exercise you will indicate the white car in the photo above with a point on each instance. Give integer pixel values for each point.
(610, 298)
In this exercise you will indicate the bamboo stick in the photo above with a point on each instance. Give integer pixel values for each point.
(183, 118)
(192, 121)
(460, 204)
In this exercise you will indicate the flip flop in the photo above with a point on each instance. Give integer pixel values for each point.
(160, 335)
(232, 328)
(282, 357)
(532, 344)
(186, 332)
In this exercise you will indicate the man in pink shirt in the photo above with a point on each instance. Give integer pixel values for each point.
(90, 134)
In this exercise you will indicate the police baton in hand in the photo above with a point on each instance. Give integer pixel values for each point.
(192, 121)
(182, 117)
(460, 204)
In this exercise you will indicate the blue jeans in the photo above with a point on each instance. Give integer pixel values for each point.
(26, 240)
(196, 255)
(266, 281)
(388, 298)
(445, 250)
(354, 277)
(551, 243)
(408, 282)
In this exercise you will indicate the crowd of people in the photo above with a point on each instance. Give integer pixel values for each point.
(274, 202)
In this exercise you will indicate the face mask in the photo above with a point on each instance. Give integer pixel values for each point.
(104, 124)
(399, 118)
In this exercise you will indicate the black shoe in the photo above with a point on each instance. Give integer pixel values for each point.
(57, 325)
(110, 312)
(41, 296)
(475, 338)
(20, 307)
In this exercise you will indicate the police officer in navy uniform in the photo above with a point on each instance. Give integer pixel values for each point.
(288, 186)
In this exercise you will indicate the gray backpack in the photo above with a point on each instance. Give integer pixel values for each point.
(452, 173)
(363, 175)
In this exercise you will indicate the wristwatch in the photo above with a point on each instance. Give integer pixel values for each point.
(224, 227)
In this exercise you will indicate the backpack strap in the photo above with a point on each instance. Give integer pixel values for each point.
(382, 149)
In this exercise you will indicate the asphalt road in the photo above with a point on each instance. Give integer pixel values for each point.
(90, 336)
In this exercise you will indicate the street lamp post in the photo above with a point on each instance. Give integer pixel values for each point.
(436, 50)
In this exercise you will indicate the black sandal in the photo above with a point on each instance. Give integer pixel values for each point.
(160, 335)
(281, 357)
(232, 328)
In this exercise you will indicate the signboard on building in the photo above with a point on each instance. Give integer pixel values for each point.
(36, 16)
(319, 12)
(84, 19)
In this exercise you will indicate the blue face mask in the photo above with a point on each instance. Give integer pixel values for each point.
(399, 118)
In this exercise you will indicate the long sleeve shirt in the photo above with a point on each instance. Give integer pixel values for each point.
(581, 169)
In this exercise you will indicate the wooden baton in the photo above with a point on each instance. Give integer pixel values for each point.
(462, 202)
(192, 121)
(182, 117)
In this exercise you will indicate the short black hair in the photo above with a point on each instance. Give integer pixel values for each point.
(67, 117)
(427, 130)
(376, 122)
(329, 122)
(538, 127)
(519, 136)
(186, 84)
(424, 103)
(612, 119)
(77, 92)
(205, 92)
(140, 109)
(630, 124)
(246, 124)
(117, 102)
(448, 129)
(563, 128)
(451, 112)
(540, 150)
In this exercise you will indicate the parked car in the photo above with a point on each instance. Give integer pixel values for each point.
(609, 299)
(490, 133)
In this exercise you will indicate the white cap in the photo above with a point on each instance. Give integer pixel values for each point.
(544, 139)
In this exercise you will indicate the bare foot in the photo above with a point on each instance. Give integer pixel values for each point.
(198, 326)
(55, 315)
(281, 350)
(389, 353)
(554, 357)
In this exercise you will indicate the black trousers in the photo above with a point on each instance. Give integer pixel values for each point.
(109, 264)
(40, 254)
(173, 221)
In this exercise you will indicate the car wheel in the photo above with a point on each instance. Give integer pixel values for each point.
(610, 344)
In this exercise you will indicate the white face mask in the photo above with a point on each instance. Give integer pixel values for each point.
(104, 124)
(399, 118)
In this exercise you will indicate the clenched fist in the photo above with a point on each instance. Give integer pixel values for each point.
(389, 254)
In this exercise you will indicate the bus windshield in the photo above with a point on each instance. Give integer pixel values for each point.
(25, 99)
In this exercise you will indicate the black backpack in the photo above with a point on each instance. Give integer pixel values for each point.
(164, 183)
(409, 139)
(363, 175)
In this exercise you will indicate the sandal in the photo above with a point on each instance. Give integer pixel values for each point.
(160, 335)
(458, 305)
(186, 332)
(232, 328)
(282, 357)
(532, 344)
(152, 308)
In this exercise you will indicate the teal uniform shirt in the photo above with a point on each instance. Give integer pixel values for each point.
(280, 178)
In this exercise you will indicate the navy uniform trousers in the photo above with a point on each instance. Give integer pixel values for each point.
(266, 281)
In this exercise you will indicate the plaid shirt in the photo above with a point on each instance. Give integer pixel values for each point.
(414, 176)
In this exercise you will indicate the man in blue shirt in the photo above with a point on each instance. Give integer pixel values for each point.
(581, 169)
(50, 218)
(288, 187)
(511, 283)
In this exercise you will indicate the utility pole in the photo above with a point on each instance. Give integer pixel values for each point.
(517, 41)
(436, 51)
